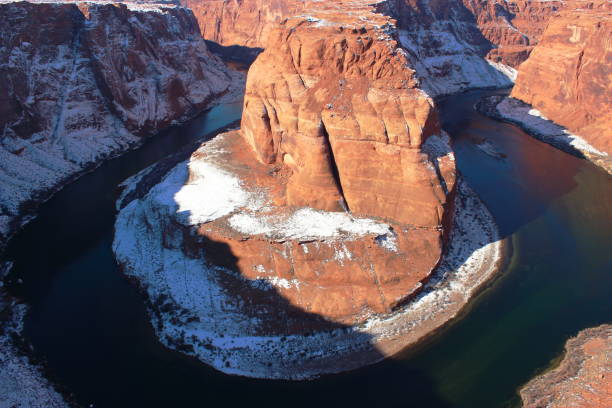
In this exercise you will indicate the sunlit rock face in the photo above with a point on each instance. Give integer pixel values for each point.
(296, 245)
(83, 82)
(512, 27)
(567, 77)
(505, 31)
(447, 41)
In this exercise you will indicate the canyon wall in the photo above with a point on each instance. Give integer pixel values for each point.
(568, 77)
(445, 46)
(81, 82)
(444, 39)
(321, 236)
(512, 27)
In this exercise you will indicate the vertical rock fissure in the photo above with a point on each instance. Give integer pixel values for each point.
(334, 168)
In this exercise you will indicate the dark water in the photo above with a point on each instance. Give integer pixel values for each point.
(90, 324)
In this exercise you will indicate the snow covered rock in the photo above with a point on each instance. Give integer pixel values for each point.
(82, 82)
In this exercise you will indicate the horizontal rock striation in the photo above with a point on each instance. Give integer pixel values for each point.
(81, 82)
(512, 27)
(582, 379)
(443, 38)
(567, 77)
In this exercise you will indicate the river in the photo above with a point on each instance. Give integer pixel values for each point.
(89, 324)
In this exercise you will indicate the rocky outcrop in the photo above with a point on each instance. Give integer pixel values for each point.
(567, 77)
(445, 46)
(512, 27)
(582, 379)
(313, 232)
(81, 82)
(443, 40)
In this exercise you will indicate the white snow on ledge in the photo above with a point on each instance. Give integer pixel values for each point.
(200, 191)
(532, 119)
(307, 223)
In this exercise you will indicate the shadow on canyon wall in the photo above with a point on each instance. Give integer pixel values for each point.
(234, 53)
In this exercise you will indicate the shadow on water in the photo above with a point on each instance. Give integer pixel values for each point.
(90, 324)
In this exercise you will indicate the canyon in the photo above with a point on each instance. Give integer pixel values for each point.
(332, 229)
(84, 82)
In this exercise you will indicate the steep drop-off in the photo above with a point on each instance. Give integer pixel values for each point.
(568, 77)
(512, 27)
(83, 82)
(307, 242)
(443, 38)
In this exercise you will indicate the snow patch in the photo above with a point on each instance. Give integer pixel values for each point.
(306, 224)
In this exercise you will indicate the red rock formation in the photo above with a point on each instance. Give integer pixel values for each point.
(267, 227)
(242, 22)
(333, 110)
(582, 380)
(83, 82)
(504, 31)
(512, 27)
(568, 77)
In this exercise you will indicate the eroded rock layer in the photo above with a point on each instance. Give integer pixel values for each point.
(308, 234)
(81, 82)
(445, 44)
(584, 377)
(512, 27)
(567, 77)
(505, 30)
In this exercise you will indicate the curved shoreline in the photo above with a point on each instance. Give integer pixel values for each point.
(528, 119)
(442, 298)
(577, 375)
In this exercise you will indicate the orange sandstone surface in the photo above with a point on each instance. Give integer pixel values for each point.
(324, 234)
(582, 380)
(568, 75)
(333, 121)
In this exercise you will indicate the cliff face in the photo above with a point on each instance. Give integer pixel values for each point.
(83, 82)
(305, 235)
(583, 377)
(443, 38)
(333, 105)
(445, 46)
(567, 77)
(512, 27)
(242, 22)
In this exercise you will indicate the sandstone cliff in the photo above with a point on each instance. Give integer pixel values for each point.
(568, 77)
(444, 39)
(83, 82)
(307, 234)
(583, 378)
(512, 27)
